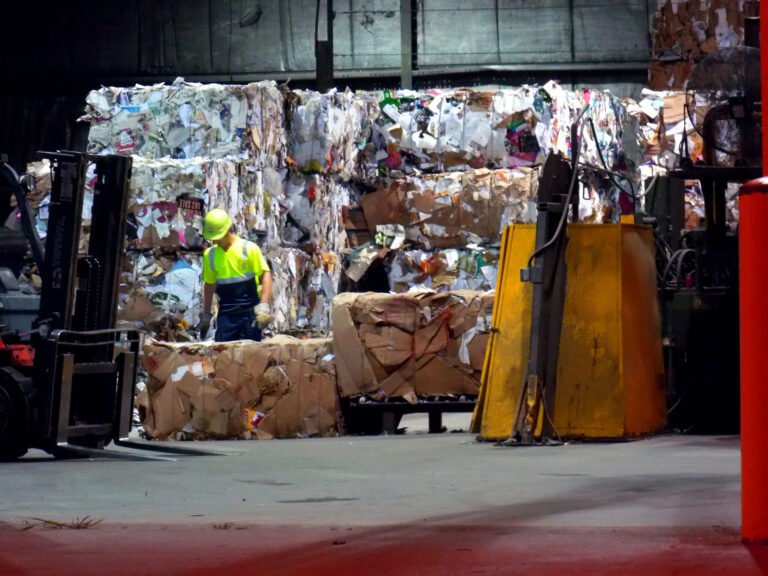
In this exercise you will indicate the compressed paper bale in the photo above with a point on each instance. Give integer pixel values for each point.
(465, 129)
(168, 198)
(203, 390)
(436, 356)
(303, 287)
(314, 204)
(265, 124)
(181, 120)
(328, 131)
(444, 270)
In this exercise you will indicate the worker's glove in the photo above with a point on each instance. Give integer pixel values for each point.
(263, 315)
(205, 324)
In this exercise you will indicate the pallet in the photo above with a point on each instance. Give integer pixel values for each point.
(383, 417)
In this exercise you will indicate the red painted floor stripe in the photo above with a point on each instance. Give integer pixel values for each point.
(149, 549)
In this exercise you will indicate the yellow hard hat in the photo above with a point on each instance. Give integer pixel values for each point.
(217, 224)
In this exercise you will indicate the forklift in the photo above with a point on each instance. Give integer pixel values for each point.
(67, 375)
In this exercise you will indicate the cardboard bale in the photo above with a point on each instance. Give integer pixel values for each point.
(161, 294)
(454, 209)
(168, 199)
(441, 270)
(207, 390)
(463, 129)
(182, 120)
(420, 343)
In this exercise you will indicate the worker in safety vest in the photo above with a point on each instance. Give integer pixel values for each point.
(239, 274)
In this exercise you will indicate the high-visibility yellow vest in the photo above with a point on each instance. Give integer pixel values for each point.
(236, 273)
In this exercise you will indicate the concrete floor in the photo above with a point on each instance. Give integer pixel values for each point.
(411, 504)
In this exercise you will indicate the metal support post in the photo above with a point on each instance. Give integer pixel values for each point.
(324, 45)
(406, 43)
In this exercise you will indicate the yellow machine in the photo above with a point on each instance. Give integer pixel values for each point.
(610, 374)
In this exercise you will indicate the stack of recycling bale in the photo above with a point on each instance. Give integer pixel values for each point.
(447, 171)
(198, 147)
(686, 32)
(327, 184)
(426, 181)
(455, 167)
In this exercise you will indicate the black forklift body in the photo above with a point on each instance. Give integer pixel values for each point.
(701, 317)
(77, 396)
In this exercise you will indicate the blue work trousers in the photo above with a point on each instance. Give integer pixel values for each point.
(237, 326)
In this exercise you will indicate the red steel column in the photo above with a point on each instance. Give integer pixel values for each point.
(753, 318)
(764, 76)
(753, 304)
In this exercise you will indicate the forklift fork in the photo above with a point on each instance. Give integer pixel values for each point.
(93, 401)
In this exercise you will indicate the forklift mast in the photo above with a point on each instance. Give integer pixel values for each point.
(81, 292)
(75, 341)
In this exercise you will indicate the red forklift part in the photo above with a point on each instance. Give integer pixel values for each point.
(753, 303)
(21, 355)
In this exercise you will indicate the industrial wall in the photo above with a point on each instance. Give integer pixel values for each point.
(60, 50)
(88, 40)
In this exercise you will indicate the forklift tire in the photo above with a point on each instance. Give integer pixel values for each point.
(15, 414)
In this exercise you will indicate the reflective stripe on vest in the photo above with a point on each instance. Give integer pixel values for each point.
(236, 279)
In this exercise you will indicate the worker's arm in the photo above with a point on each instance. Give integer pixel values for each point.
(205, 313)
(209, 287)
(266, 287)
(209, 282)
(208, 290)
(263, 314)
